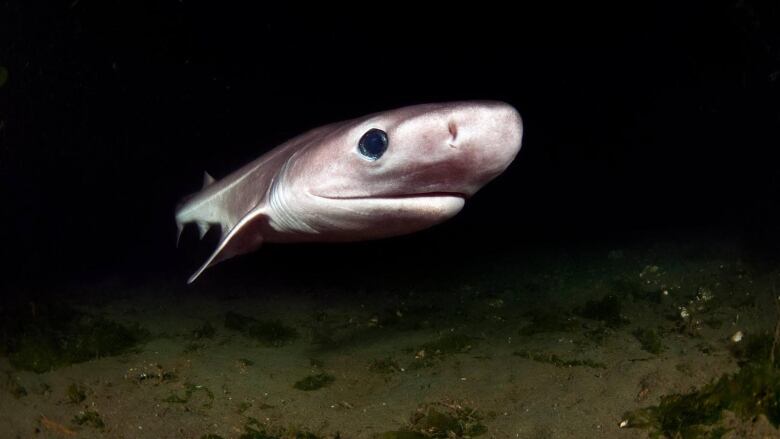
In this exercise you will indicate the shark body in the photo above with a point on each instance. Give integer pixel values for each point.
(381, 175)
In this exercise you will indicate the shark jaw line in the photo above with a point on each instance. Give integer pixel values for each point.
(421, 195)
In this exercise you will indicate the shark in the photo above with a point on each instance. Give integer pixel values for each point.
(382, 175)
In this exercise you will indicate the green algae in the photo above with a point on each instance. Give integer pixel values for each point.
(76, 393)
(254, 429)
(384, 366)
(452, 422)
(314, 382)
(713, 323)
(650, 340)
(632, 287)
(90, 418)
(421, 363)
(193, 347)
(189, 392)
(555, 360)
(428, 354)
(410, 317)
(272, 333)
(754, 348)
(752, 391)
(206, 330)
(252, 433)
(599, 334)
(401, 435)
(449, 344)
(549, 320)
(245, 362)
(12, 386)
(607, 310)
(47, 336)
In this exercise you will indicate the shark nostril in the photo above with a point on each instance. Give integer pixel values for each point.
(453, 131)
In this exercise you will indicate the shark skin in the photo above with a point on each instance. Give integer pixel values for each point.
(377, 176)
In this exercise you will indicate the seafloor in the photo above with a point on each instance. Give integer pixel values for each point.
(650, 338)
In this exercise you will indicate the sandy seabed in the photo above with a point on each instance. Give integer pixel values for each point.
(508, 345)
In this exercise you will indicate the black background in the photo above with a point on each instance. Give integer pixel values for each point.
(639, 120)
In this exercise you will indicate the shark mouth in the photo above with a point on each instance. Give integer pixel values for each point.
(400, 196)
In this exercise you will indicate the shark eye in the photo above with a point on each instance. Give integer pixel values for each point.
(373, 144)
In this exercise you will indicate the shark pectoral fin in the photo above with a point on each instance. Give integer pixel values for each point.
(208, 180)
(203, 228)
(179, 229)
(244, 237)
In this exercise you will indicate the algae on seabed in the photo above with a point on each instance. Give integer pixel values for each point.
(271, 333)
(314, 382)
(47, 336)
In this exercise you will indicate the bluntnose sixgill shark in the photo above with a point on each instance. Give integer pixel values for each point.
(381, 175)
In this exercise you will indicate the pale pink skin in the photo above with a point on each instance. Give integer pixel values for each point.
(318, 187)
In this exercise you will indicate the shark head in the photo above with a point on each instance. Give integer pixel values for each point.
(382, 175)
(394, 172)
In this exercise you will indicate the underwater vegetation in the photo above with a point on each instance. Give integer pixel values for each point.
(193, 347)
(607, 310)
(693, 313)
(9, 384)
(254, 429)
(152, 372)
(650, 340)
(449, 421)
(314, 382)
(427, 354)
(252, 433)
(245, 362)
(270, 333)
(449, 344)
(76, 393)
(384, 366)
(410, 317)
(45, 336)
(752, 391)
(555, 360)
(630, 287)
(189, 391)
(206, 330)
(754, 348)
(549, 320)
(401, 435)
(90, 418)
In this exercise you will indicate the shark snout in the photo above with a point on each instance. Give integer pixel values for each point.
(452, 127)
(497, 123)
(487, 137)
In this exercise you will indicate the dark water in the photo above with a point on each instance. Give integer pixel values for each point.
(623, 271)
